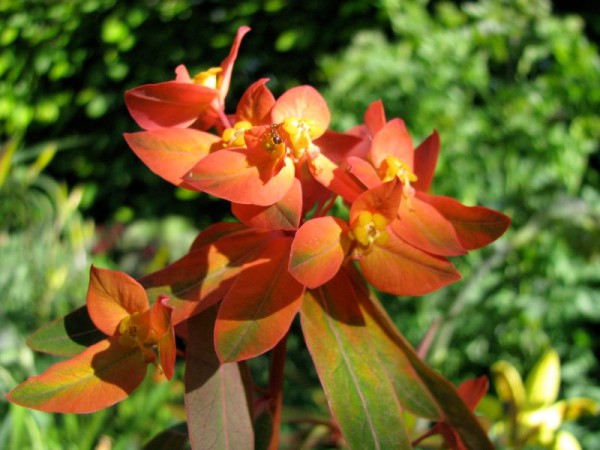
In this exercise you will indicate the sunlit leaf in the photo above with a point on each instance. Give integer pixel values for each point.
(236, 175)
(171, 152)
(318, 250)
(358, 388)
(259, 308)
(100, 376)
(456, 413)
(401, 269)
(282, 215)
(204, 275)
(113, 295)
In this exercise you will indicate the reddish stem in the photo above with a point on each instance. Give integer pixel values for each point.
(276, 389)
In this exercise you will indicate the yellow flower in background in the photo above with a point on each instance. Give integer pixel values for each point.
(530, 413)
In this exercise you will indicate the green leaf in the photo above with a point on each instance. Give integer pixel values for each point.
(218, 412)
(356, 383)
(410, 389)
(66, 336)
(455, 412)
(173, 438)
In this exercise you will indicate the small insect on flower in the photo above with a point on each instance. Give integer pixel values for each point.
(275, 143)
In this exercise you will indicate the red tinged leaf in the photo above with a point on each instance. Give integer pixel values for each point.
(66, 336)
(256, 104)
(112, 296)
(422, 226)
(475, 226)
(337, 146)
(100, 376)
(160, 319)
(356, 383)
(426, 156)
(204, 275)
(472, 391)
(364, 172)
(168, 104)
(401, 269)
(259, 308)
(241, 177)
(302, 102)
(337, 180)
(218, 413)
(383, 199)
(456, 412)
(227, 63)
(375, 117)
(392, 140)
(283, 215)
(318, 250)
(171, 152)
(217, 231)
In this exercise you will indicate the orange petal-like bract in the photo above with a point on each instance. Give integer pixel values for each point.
(171, 152)
(401, 269)
(168, 104)
(282, 215)
(476, 226)
(112, 296)
(240, 177)
(302, 102)
(425, 227)
(318, 250)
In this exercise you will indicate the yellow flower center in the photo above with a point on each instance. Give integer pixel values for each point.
(234, 137)
(134, 331)
(210, 78)
(392, 167)
(369, 229)
(301, 133)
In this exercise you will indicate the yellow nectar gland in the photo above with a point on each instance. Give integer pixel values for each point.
(210, 78)
(134, 331)
(234, 137)
(368, 230)
(301, 132)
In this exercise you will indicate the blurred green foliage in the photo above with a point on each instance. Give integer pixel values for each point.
(513, 89)
(64, 67)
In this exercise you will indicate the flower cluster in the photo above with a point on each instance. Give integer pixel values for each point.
(295, 248)
(281, 167)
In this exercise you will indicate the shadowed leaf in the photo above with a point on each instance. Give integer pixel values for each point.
(215, 397)
(66, 336)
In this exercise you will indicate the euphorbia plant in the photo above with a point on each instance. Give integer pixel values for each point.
(235, 293)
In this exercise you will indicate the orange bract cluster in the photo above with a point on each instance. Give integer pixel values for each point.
(281, 167)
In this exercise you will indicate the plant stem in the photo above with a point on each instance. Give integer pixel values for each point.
(276, 389)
